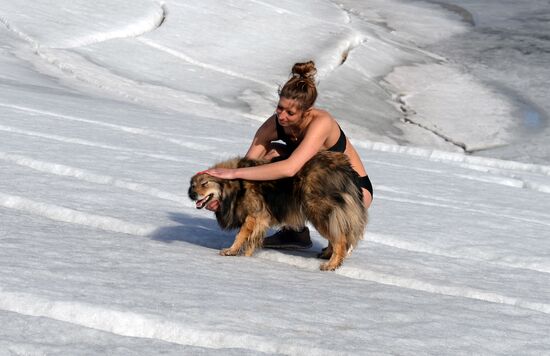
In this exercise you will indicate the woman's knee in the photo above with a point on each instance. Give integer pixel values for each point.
(367, 198)
(276, 150)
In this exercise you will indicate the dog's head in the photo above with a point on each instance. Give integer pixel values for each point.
(204, 189)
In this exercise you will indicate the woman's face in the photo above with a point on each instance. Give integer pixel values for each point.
(289, 111)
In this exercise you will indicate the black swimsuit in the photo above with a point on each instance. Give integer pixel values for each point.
(339, 146)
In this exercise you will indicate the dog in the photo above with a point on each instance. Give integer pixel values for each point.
(325, 192)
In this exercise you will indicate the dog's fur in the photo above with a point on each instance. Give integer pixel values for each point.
(324, 192)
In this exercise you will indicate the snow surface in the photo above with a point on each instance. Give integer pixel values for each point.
(107, 108)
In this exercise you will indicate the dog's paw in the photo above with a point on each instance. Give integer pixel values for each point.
(249, 252)
(328, 266)
(228, 252)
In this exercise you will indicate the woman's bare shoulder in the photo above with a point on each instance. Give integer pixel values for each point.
(321, 112)
(323, 117)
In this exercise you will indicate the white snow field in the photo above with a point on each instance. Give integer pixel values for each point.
(107, 108)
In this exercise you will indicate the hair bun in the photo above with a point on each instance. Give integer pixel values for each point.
(301, 86)
(305, 70)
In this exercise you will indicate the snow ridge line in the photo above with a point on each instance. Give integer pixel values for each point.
(198, 63)
(454, 207)
(512, 178)
(127, 323)
(90, 74)
(458, 203)
(497, 175)
(87, 176)
(334, 57)
(78, 141)
(281, 11)
(408, 283)
(127, 129)
(452, 291)
(277, 9)
(4, 21)
(125, 87)
(139, 28)
(491, 175)
(73, 216)
(443, 156)
(506, 179)
(59, 213)
(391, 241)
(149, 23)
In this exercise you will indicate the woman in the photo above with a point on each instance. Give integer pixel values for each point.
(305, 130)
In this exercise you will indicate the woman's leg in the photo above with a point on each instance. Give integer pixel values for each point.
(367, 198)
(286, 238)
(367, 190)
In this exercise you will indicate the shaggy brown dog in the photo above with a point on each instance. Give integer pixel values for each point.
(324, 192)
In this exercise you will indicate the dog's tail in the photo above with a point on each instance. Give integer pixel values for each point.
(345, 218)
(327, 186)
(349, 220)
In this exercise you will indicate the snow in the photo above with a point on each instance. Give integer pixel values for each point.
(108, 108)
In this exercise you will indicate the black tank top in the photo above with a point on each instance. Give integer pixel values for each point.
(339, 146)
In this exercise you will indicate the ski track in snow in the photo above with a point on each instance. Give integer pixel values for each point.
(82, 142)
(451, 157)
(277, 9)
(59, 213)
(460, 205)
(410, 283)
(84, 175)
(453, 291)
(88, 176)
(348, 45)
(507, 173)
(391, 241)
(211, 67)
(127, 323)
(454, 207)
(284, 11)
(63, 214)
(501, 178)
(122, 128)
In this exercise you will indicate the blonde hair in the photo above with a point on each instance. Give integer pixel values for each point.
(301, 87)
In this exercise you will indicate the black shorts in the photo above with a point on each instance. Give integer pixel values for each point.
(364, 182)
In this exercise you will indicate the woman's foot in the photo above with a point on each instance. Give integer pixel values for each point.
(287, 238)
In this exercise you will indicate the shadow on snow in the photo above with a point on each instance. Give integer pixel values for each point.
(198, 231)
(205, 232)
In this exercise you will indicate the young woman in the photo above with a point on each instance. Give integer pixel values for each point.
(305, 130)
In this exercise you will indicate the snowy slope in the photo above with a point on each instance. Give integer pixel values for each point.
(102, 125)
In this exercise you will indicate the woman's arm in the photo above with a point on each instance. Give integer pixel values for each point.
(317, 133)
(262, 139)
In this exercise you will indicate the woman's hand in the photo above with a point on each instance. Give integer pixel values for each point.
(223, 173)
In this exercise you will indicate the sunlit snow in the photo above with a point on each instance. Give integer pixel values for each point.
(107, 108)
